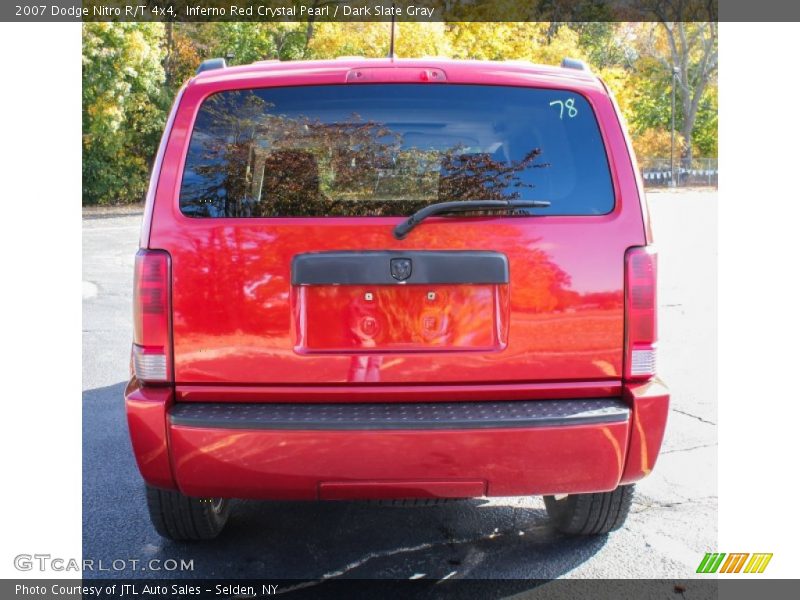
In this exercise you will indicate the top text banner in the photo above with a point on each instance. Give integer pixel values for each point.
(400, 10)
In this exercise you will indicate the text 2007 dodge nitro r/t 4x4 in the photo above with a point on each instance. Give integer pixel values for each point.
(394, 279)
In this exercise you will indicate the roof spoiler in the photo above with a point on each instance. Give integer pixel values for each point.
(210, 64)
(574, 63)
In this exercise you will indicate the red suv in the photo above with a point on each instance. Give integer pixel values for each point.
(394, 279)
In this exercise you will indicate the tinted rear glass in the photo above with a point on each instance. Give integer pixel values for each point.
(390, 149)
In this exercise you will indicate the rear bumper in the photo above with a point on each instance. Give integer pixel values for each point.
(396, 450)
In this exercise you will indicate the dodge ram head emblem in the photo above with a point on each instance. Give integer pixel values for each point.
(400, 268)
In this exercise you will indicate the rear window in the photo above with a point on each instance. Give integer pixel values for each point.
(390, 149)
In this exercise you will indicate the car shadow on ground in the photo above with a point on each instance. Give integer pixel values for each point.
(497, 539)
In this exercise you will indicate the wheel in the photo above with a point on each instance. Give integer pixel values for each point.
(182, 518)
(590, 514)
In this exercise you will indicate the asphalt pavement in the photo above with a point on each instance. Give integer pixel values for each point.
(673, 521)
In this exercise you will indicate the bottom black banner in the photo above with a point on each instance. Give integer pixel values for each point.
(639, 589)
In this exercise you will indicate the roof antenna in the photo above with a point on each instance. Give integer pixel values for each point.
(391, 39)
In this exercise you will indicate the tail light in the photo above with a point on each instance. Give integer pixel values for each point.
(640, 313)
(151, 309)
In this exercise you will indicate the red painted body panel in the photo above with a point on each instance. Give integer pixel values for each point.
(389, 490)
(241, 332)
(146, 408)
(155, 174)
(650, 404)
(290, 465)
(229, 328)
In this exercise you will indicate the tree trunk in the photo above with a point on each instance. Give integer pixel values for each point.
(687, 148)
(682, 44)
(168, 74)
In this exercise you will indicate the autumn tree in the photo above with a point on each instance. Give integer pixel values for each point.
(534, 42)
(123, 108)
(690, 51)
(372, 40)
(636, 60)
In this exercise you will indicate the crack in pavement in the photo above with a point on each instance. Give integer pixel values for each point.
(386, 553)
(645, 506)
(701, 419)
(688, 449)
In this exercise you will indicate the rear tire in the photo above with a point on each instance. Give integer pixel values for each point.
(182, 518)
(590, 514)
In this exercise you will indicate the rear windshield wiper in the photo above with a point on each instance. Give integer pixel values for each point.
(440, 208)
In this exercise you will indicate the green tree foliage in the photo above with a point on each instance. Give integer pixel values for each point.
(249, 42)
(123, 108)
(705, 132)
